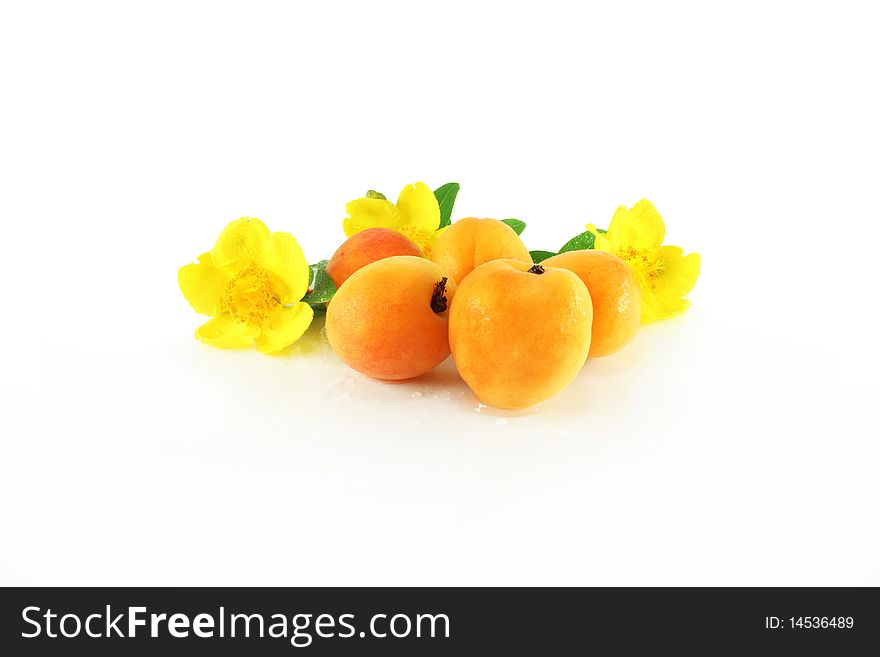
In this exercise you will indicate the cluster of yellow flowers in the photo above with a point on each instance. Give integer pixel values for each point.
(254, 284)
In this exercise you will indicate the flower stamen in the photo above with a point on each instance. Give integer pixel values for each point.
(250, 296)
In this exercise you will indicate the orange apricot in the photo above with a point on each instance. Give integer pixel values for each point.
(366, 247)
(391, 320)
(519, 332)
(617, 301)
(468, 243)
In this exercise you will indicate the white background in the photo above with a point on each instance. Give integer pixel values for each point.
(734, 445)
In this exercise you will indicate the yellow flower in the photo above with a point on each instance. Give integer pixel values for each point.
(416, 215)
(251, 282)
(665, 275)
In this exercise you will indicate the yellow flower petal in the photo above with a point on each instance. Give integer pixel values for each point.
(285, 261)
(679, 272)
(663, 308)
(284, 326)
(603, 241)
(366, 213)
(640, 227)
(202, 285)
(244, 241)
(224, 331)
(419, 209)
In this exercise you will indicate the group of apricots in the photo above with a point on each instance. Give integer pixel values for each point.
(518, 332)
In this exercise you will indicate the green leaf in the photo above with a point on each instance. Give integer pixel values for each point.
(446, 198)
(321, 286)
(516, 224)
(538, 256)
(582, 242)
(601, 230)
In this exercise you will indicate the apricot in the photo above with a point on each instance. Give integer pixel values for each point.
(617, 301)
(366, 247)
(519, 332)
(468, 243)
(391, 318)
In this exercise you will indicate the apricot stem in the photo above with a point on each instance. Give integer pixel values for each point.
(536, 269)
(438, 299)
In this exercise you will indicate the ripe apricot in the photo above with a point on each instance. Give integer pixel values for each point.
(365, 247)
(468, 243)
(617, 301)
(519, 332)
(391, 320)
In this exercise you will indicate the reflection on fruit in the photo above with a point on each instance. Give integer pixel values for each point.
(366, 247)
(617, 301)
(519, 332)
(468, 243)
(390, 319)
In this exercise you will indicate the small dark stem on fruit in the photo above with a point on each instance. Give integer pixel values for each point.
(438, 299)
(536, 269)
